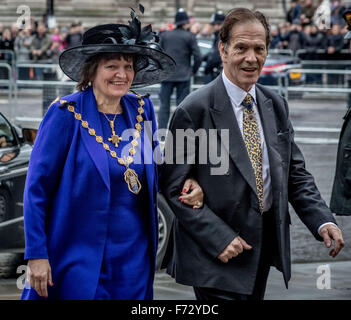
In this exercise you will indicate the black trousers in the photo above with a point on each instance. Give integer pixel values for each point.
(167, 87)
(269, 251)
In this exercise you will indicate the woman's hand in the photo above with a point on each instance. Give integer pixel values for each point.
(195, 197)
(39, 276)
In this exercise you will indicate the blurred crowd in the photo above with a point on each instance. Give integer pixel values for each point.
(36, 43)
(303, 31)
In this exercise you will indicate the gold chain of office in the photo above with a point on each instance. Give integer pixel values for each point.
(130, 176)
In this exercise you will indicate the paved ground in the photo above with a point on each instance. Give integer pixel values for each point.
(302, 286)
(305, 282)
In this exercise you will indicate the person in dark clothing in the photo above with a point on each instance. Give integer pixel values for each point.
(181, 45)
(340, 201)
(226, 249)
(295, 37)
(337, 9)
(75, 36)
(314, 40)
(213, 59)
(41, 44)
(307, 12)
(276, 42)
(335, 40)
(6, 43)
(335, 44)
(294, 11)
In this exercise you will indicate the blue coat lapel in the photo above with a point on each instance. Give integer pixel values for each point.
(96, 151)
(131, 111)
(145, 149)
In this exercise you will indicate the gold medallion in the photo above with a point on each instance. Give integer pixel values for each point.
(115, 139)
(131, 178)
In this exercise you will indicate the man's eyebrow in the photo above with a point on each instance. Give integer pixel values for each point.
(240, 43)
(245, 44)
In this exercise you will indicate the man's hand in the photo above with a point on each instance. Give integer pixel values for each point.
(39, 275)
(237, 246)
(331, 232)
(195, 198)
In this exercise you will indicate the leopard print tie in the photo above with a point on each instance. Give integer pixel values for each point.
(253, 145)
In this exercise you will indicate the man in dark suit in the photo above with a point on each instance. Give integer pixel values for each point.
(225, 249)
(181, 45)
(213, 60)
(340, 201)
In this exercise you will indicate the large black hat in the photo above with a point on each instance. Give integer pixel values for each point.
(347, 17)
(181, 17)
(152, 65)
(217, 18)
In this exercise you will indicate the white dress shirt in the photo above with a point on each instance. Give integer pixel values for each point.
(237, 96)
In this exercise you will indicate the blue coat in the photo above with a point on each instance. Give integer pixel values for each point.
(66, 197)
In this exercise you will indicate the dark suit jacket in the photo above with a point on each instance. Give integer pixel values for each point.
(340, 201)
(181, 45)
(231, 204)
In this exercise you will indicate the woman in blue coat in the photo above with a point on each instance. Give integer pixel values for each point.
(90, 207)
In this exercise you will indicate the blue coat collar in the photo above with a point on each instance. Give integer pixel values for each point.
(89, 111)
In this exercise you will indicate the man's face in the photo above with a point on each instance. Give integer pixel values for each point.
(245, 54)
(41, 29)
(335, 30)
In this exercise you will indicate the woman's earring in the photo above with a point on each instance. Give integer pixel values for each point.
(89, 83)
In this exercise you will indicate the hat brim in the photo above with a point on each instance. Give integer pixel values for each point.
(160, 66)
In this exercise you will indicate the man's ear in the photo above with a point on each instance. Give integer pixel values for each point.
(222, 51)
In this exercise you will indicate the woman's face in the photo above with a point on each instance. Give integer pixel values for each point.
(114, 77)
(6, 34)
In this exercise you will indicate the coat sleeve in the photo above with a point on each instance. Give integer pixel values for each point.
(304, 195)
(45, 169)
(205, 227)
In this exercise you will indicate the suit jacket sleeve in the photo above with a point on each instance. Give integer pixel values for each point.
(206, 228)
(44, 171)
(303, 192)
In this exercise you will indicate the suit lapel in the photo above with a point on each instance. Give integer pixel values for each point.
(224, 118)
(266, 111)
(96, 151)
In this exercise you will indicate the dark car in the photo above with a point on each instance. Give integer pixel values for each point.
(276, 66)
(15, 149)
